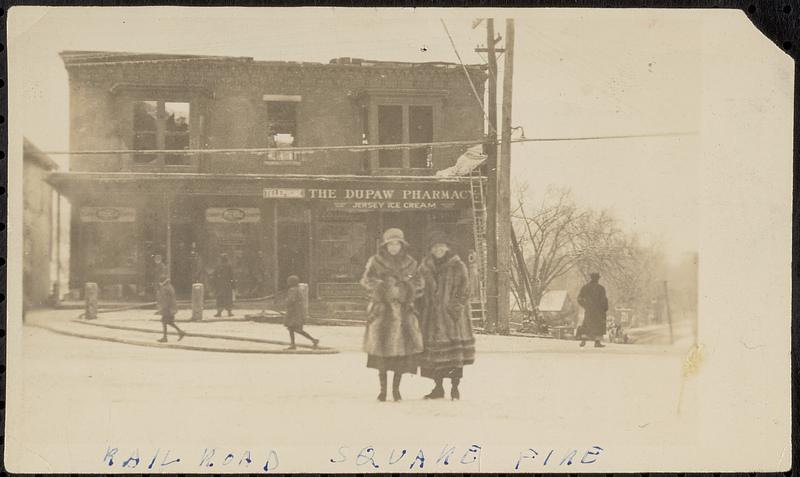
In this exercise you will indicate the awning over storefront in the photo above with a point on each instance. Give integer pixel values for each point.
(336, 192)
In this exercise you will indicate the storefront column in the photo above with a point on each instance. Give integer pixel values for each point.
(57, 290)
(312, 233)
(275, 258)
(168, 241)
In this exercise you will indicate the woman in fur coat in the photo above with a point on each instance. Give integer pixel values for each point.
(446, 327)
(392, 340)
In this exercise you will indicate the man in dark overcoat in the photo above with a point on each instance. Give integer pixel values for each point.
(224, 284)
(594, 301)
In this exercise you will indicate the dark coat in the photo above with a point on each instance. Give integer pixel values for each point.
(296, 310)
(446, 327)
(159, 269)
(392, 327)
(167, 305)
(592, 298)
(223, 285)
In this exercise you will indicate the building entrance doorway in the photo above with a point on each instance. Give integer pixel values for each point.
(181, 241)
(293, 250)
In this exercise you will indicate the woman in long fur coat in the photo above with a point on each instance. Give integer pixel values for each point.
(393, 340)
(446, 328)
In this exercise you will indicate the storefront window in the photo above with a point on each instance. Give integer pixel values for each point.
(234, 231)
(111, 249)
(341, 249)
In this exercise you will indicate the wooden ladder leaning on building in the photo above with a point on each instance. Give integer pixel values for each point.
(477, 305)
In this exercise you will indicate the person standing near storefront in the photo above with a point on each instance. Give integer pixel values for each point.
(224, 284)
(446, 328)
(159, 269)
(392, 339)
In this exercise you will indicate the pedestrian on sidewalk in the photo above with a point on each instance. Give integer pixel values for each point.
(296, 311)
(224, 284)
(446, 328)
(594, 301)
(392, 339)
(168, 307)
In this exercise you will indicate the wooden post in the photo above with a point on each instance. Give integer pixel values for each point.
(491, 183)
(504, 190)
(90, 293)
(198, 297)
(669, 313)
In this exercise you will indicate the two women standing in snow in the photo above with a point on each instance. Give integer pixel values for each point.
(400, 338)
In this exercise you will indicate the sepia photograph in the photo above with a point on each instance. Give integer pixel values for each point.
(337, 240)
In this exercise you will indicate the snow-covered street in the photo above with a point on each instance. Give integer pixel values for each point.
(83, 397)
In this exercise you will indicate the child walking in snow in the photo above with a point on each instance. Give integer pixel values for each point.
(296, 312)
(167, 307)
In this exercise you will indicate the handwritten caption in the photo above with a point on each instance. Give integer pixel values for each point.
(367, 457)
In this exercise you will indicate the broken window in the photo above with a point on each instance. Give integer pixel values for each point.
(390, 131)
(282, 128)
(145, 130)
(176, 131)
(160, 125)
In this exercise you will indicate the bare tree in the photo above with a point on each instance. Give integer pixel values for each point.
(558, 238)
(551, 237)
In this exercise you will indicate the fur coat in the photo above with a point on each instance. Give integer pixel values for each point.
(392, 326)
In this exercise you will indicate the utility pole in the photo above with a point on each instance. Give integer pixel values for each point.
(491, 181)
(503, 220)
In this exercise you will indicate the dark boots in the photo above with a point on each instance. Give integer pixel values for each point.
(396, 386)
(455, 395)
(438, 390)
(382, 378)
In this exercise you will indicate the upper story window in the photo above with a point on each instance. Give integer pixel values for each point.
(402, 117)
(159, 125)
(405, 124)
(281, 125)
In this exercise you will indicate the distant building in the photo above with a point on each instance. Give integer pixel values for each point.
(38, 219)
(317, 215)
(558, 308)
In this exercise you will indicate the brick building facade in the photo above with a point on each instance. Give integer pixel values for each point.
(317, 215)
(38, 221)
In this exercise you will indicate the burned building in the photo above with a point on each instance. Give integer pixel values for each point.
(317, 213)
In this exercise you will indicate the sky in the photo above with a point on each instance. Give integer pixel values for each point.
(577, 73)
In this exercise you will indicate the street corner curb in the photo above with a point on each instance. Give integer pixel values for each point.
(188, 347)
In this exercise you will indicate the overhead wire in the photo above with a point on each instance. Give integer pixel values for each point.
(360, 148)
(492, 131)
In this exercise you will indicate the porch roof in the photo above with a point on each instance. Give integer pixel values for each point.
(80, 184)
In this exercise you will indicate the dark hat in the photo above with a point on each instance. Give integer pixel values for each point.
(293, 281)
(438, 236)
(594, 276)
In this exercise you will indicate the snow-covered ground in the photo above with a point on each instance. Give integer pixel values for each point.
(316, 413)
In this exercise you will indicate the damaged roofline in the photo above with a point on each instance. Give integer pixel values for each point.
(86, 58)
